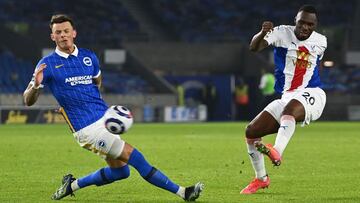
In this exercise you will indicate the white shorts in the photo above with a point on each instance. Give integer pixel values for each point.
(98, 139)
(313, 100)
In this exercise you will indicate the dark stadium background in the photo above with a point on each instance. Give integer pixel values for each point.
(151, 49)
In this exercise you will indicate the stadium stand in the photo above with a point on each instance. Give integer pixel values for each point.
(219, 20)
(123, 83)
(341, 80)
(107, 23)
(15, 74)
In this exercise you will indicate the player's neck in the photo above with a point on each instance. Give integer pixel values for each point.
(68, 51)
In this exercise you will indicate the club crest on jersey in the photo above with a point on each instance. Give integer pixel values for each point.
(101, 144)
(87, 61)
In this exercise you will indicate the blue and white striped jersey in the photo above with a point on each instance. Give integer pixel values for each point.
(70, 79)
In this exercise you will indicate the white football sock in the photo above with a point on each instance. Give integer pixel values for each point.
(74, 185)
(181, 192)
(256, 158)
(285, 132)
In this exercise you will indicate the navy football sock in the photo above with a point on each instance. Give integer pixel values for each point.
(151, 174)
(104, 176)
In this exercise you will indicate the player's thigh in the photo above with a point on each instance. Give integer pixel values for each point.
(263, 124)
(313, 100)
(97, 139)
(296, 109)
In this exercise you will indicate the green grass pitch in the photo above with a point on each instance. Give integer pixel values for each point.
(321, 163)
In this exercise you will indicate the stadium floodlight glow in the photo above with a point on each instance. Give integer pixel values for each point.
(328, 64)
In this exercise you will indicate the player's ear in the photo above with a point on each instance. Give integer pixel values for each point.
(52, 37)
(74, 34)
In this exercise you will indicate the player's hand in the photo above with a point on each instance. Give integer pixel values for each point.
(39, 74)
(58, 110)
(267, 26)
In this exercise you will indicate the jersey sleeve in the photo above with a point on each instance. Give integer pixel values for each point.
(323, 47)
(97, 71)
(45, 73)
(274, 37)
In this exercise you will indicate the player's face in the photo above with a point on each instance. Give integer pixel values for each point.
(305, 24)
(63, 35)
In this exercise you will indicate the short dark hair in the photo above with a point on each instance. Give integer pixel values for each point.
(60, 18)
(308, 8)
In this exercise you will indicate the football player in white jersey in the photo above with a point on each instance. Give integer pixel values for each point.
(297, 52)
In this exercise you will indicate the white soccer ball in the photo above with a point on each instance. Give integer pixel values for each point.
(118, 119)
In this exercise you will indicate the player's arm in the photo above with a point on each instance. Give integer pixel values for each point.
(98, 81)
(258, 42)
(32, 92)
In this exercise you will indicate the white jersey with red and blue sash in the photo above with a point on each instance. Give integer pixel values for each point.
(296, 62)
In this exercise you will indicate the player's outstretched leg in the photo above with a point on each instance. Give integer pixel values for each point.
(157, 178)
(101, 177)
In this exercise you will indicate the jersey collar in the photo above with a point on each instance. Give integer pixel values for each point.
(66, 55)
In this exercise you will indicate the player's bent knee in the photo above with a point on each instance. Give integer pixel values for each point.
(125, 153)
(250, 131)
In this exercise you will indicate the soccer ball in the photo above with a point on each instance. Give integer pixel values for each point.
(118, 119)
